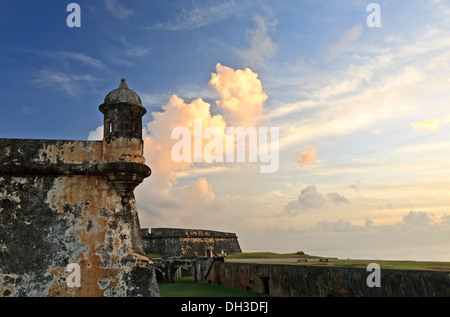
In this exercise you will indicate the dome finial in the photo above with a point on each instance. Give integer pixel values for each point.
(123, 83)
(123, 94)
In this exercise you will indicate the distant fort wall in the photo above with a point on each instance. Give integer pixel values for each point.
(189, 242)
(315, 281)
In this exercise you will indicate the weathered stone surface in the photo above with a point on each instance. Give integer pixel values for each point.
(123, 94)
(71, 202)
(315, 281)
(189, 242)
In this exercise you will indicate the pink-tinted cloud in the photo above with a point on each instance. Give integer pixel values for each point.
(241, 101)
(307, 156)
(241, 95)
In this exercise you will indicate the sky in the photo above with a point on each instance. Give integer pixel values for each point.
(362, 112)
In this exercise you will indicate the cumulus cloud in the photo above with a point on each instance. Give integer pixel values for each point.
(158, 141)
(241, 95)
(335, 198)
(445, 220)
(193, 201)
(345, 238)
(415, 221)
(307, 156)
(310, 199)
(198, 190)
(422, 220)
(96, 135)
(160, 195)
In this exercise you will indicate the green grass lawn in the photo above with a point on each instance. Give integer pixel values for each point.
(269, 255)
(186, 287)
(384, 264)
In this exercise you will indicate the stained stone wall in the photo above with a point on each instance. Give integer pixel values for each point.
(58, 206)
(283, 280)
(189, 242)
(69, 225)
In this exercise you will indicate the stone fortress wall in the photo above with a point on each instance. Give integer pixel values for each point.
(71, 202)
(282, 280)
(65, 202)
(189, 242)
